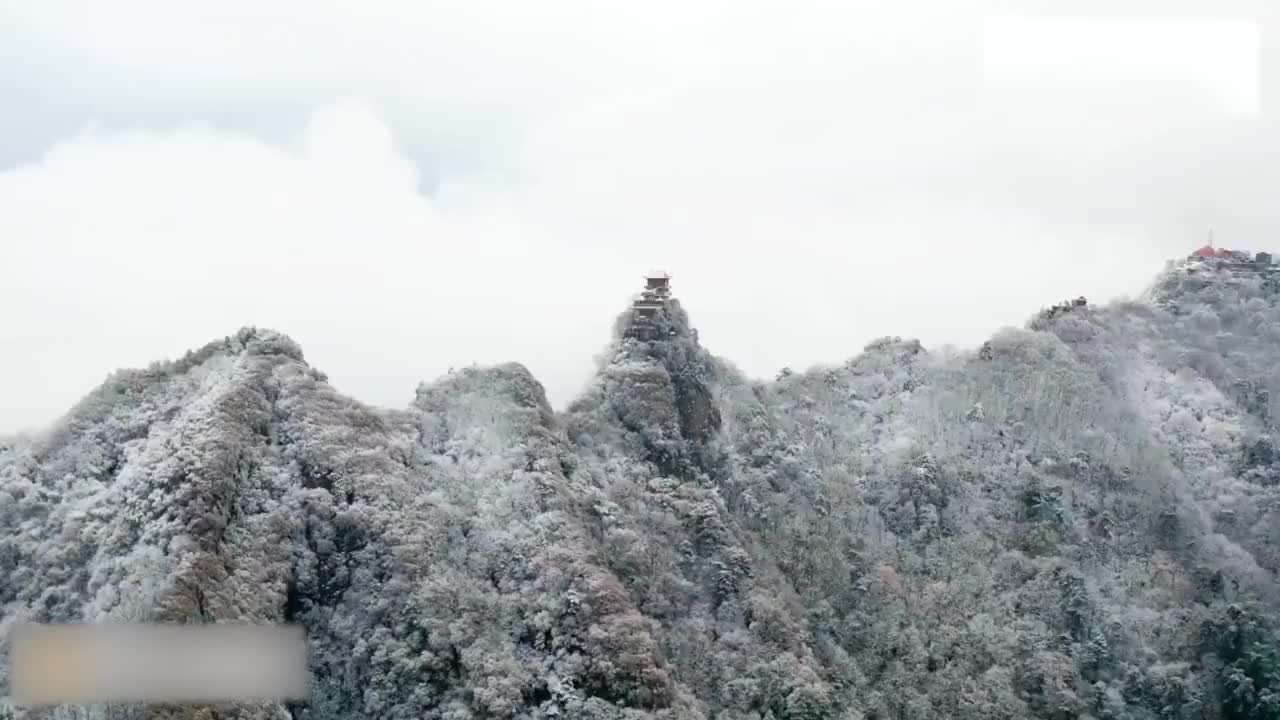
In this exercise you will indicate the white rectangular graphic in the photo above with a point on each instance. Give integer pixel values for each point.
(1155, 63)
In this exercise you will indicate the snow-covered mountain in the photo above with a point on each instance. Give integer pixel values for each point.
(1079, 519)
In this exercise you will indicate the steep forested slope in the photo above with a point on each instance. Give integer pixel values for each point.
(1080, 519)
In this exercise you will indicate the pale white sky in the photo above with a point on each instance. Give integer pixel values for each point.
(408, 186)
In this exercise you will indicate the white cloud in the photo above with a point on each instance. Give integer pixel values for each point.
(125, 249)
(813, 175)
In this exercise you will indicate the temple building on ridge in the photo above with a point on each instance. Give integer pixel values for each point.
(649, 303)
(654, 297)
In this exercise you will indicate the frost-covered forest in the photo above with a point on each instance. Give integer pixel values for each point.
(1081, 519)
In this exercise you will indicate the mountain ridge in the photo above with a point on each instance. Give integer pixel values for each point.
(1078, 519)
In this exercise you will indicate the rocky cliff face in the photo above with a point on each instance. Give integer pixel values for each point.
(1081, 520)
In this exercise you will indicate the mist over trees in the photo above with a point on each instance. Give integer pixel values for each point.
(1081, 519)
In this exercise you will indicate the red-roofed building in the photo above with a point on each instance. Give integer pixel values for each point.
(1204, 252)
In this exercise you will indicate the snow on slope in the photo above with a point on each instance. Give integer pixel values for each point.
(1079, 520)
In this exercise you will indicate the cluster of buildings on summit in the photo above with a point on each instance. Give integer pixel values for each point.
(1222, 258)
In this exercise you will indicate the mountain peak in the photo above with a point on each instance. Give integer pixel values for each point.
(1216, 271)
(683, 543)
(655, 314)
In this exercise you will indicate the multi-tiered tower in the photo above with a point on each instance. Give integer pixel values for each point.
(649, 303)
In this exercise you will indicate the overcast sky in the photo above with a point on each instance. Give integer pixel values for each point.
(406, 187)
